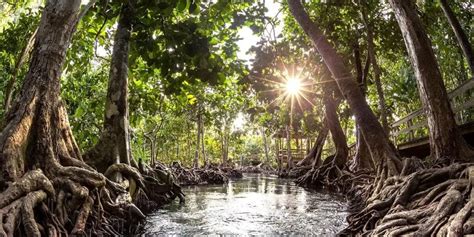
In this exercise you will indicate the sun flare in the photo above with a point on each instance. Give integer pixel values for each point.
(293, 86)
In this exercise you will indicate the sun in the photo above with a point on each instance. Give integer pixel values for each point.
(293, 86)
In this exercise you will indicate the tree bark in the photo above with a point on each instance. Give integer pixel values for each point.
(377, 73)
(363, 158)
(446, 141)
(37, 129)
(25, 52)
(358, 63)
(381, 149)
(461, 36)
(362, 154)
(337, 134)
(316, 151)
(114, 143)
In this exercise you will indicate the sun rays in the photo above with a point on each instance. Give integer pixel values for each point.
(291, 86)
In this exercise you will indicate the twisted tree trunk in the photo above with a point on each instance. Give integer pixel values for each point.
(337, 134)
(446, 142)
(361, 154)
(38, 119)
(317, 149)
(362, 158)
(114, 144)
(381, 149)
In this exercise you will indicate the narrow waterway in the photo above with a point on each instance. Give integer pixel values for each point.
(253, 205)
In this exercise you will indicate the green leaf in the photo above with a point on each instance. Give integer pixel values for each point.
(182, 5)
(79, 112)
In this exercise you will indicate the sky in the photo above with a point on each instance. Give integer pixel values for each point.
(249, 39)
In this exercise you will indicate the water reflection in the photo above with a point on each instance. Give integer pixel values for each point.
(253, 205)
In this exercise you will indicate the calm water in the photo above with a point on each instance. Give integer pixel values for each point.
(253, 205)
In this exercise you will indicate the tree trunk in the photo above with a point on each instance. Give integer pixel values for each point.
(308, 145)
(204, 157)
(337, 134)
(446, 141)
(177, 148)
(381, 149)
(224, 157)
(225, 146)
(362, 154)
(114, 144)
(377, 73)
(277, 154)
(25, 52)
(461, 36)
(198, 143)
(38, 119)
(152, 141)
(358, 63)
(189, 141)
(265, 146)
(316, 151)
(288, 147)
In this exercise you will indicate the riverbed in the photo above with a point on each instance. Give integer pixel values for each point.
(253, 205)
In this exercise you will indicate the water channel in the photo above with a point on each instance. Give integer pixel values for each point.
(253, 205)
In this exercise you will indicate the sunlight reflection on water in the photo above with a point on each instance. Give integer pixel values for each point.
(253, 205)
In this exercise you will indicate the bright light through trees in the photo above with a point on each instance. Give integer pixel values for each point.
(293, 86)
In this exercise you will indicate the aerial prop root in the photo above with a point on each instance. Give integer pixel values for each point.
(62, 204)
(148, 188)
(435, 201)
(329, 175)
(207, 175)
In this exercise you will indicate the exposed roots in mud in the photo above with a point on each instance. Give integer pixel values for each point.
(328, 175)
(423, 202)
(211, 174)
(261, 168)
(59, 195)
(298, 171)
(78, 201)
(37, 205)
